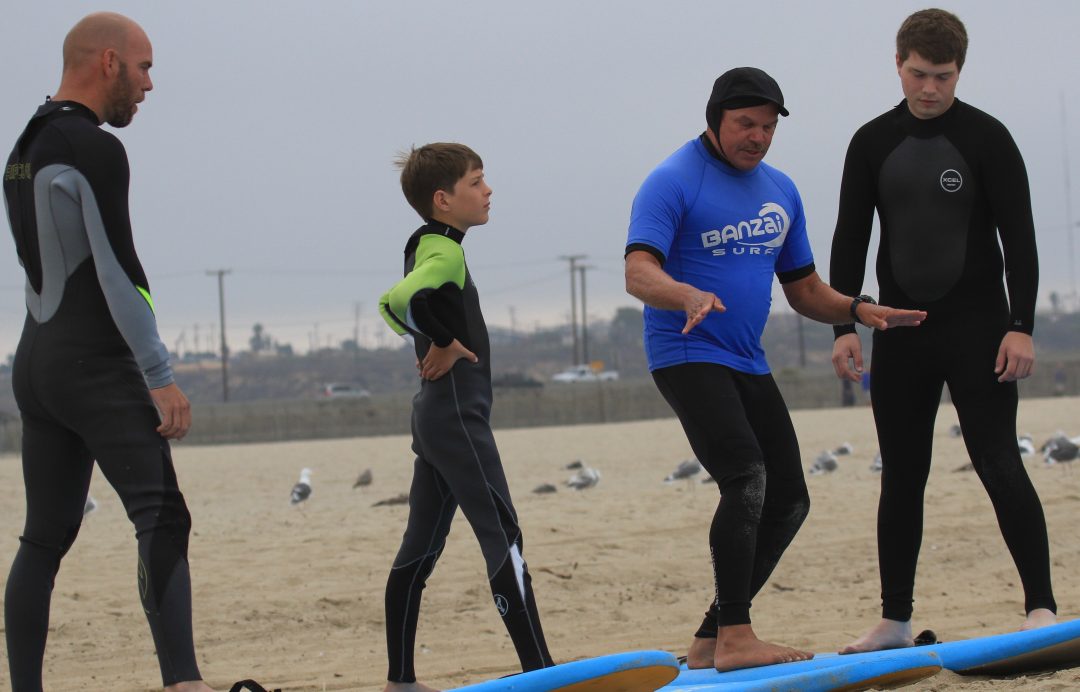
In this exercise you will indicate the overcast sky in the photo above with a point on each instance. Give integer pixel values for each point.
(267, 145)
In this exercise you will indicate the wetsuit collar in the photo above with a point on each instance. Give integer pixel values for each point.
(931, 127)
(433, 228)
(440, 228)
(71, 107)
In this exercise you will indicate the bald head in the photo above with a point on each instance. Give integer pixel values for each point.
(96, 33)
(107, 60)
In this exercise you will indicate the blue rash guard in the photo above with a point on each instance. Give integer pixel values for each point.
(724, 231)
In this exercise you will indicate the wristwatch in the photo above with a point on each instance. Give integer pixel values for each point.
(855, 303)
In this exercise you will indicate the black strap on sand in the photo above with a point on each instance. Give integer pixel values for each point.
(251, 686)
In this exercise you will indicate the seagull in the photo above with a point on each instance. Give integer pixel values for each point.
(843, 449)
(390, 501)
(302, 490)
(363, 480)
(825, 463)
(1059, 437)
(90, 505)
(585, 478)
(1026, 445)
(1061, 450)
(545, 488)
(690, 467)
(576, 464)
(875, 465)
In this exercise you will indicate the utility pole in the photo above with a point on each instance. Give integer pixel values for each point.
(356, 324)
(220, 273)
(1073, 297)
(584, 316)
(572, 259)
(356, 333)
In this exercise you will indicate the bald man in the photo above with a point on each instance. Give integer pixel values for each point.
(91, 376)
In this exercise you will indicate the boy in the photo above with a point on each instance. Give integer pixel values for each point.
(457, 463)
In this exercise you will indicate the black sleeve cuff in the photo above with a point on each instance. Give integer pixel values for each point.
(840, 330)
(1022, 326)
(647, 248)
(795, 274)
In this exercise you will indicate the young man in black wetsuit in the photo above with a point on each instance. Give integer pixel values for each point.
(947, 182)
(91, 376)
(457, 462)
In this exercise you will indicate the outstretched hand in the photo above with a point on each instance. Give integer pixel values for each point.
(438, 361)
(1015, 358)
(883, 317)
(175, 411)
(698, 306)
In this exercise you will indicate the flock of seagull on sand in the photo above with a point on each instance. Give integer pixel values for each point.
(1058, 449)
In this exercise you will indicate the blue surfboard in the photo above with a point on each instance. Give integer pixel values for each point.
(878, 669)
(633, 671)
(881, 674)
(1047, 648)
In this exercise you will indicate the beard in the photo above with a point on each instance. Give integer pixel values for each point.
(120, 108)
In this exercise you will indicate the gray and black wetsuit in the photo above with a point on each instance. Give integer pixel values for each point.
(88, 352)
(945, 191)
(457, 462)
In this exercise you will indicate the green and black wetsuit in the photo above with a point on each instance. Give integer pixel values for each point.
(457, 462)
(88, 352)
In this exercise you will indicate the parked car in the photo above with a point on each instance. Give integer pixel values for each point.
(342, 390)
(585, 373)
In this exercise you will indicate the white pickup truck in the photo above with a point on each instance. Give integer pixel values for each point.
(585, 373)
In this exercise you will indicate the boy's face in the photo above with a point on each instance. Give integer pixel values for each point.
(929, 88)
(467, 205)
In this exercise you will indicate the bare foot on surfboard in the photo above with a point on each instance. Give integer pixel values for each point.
(408, 687)
(738, 647)
(701, 653)
(887, 634)
(1040, 617)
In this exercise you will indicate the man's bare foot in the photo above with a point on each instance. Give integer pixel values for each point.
(1040, 617)
(190, 686)
(887, 634)
(701, 653)
(408, 687)
(738, 647)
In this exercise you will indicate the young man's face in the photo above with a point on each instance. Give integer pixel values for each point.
(929, 88)
(745, 134)
(468, 204)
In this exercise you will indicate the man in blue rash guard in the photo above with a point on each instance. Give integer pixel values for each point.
(91, 376)
(947, 180)
(709, 228)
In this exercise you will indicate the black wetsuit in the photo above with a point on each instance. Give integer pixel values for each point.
(88, 352)
(945, 190)
(457, 462)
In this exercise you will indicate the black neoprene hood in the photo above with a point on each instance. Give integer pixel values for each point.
(743, 87)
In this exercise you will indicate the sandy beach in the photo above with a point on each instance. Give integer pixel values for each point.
(293, 596)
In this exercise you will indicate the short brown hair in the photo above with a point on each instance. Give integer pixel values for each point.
(434, 167)
(936, 35)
